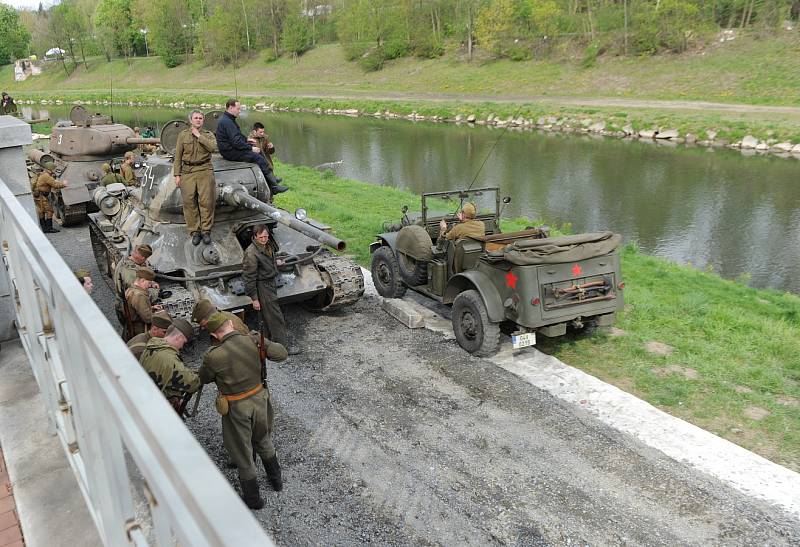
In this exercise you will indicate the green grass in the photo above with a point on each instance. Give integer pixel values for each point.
(734, 347)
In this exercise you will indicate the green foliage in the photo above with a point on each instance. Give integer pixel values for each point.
(115, 26)
(296, 38)
(590, 55)
(170, 25)
(373, 59)
(222, 36)
(14, 37)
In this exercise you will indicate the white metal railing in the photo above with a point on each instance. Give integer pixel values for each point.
(103, 404)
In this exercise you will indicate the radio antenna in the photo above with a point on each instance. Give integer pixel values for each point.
(111, 78)
(235, 84)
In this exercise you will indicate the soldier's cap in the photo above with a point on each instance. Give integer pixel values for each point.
(145, 273)
(216, 321)
(182, 325)
(50, 166)
(80, 273)
(136, 129)
(144, 250)
(106, 168)
(469, 210)
(276, 352)
(128, 154)
(162, 319)
(203, 310)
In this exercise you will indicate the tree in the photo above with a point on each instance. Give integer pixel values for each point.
(114, 26)
(171, 28)
(296, 38)
(14, 37)
(222, 37)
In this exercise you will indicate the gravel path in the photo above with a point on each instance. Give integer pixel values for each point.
(398, 437)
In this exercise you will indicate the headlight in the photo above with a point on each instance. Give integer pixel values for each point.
(300, 214)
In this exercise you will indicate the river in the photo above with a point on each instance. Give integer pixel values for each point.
(714, 209)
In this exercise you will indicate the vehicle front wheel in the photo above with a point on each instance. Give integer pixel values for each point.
(386, 274)
(474, 331)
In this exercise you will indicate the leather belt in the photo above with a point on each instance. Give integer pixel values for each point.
(244, 394)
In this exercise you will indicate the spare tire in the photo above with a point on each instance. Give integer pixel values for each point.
(413, 254)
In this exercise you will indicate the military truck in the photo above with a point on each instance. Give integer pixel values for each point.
(79, 148)
(152, 213)
(526, 282)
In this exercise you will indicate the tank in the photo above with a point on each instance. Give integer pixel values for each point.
(153, 214)
(79, 148)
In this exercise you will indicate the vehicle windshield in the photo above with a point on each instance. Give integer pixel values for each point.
(442, 204)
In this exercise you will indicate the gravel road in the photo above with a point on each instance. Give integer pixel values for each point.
(398, 437)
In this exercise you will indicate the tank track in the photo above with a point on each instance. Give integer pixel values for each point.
(344, 279)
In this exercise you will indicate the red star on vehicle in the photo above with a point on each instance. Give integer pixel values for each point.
(511, 279)
(576, 270)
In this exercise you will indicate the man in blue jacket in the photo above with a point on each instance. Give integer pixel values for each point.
(233, 145)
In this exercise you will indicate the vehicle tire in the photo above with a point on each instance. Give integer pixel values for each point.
(413, 272)
(474, 331)
(386, 274)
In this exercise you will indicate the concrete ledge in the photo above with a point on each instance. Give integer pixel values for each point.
(14, 132)
(50, 505)
(403, 311)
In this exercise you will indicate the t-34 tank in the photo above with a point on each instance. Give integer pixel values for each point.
(79, 148)
(153, 213)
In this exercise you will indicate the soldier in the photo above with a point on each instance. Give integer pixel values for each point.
(139, 309)
(234, 146)
(260, 140)
(158, 329)
(109, 176)
(7, 105)
(125, 271)
(128, 177)
(42, 187)
(236, 366)
(260, 269)
(161, 360)
(204, 309)
(194, 175)
(85, 280)
(467, 225)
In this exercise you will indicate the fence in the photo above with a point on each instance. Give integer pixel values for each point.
(107, 411)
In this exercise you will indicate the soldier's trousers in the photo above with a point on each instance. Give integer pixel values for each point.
(272, 315)
(199, 194)
(248, 426)
(44, 209)
(250, 157)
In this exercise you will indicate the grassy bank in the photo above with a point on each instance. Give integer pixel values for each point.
(721, 355)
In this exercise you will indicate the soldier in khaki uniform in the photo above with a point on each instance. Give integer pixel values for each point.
(109, 176)
(258, 137)
(194, 175)
(162, 361)
(139, 309)
(42, 187)
(467, 225)
(128, 176)
(85, 280)
(125, 275)
(158, 329)
(244, 402)
(204, 309)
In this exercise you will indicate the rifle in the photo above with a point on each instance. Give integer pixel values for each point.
(185, 402)
(262, 353)
(128, 320)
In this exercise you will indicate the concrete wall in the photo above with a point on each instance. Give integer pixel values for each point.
(14, 134)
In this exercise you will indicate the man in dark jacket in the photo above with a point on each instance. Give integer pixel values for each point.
(233, 145)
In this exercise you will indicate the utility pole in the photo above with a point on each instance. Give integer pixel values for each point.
(246, 26)
(625, 9)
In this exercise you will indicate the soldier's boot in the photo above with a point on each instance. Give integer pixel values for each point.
(273, 469)
(196, 238)
(250, 494)
(206, 238)
(273, 181)
(48, 227)
(41, 223)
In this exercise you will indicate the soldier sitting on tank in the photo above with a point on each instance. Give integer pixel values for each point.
(162, 361)
(125, 270)
(158, 329)
(259, 138)
(44, 184)
(139, 310)
(128, 176)
(109, 176)
(467, 226)
(234, 146)
(194, 175)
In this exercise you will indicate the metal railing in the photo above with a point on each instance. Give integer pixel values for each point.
(106, 409)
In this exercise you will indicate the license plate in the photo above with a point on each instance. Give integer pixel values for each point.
(523, 340)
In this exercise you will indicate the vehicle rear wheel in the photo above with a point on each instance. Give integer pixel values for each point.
(386, 274)
(414, 272)
(474, 331)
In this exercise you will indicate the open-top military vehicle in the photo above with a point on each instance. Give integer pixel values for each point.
(79, 148)
(152, 213)
(526, 281)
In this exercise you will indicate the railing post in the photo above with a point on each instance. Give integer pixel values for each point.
(14, 134)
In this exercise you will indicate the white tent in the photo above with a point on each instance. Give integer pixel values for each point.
(54, 52)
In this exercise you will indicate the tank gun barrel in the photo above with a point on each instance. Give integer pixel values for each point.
(143, 140)
(39, 157)
(238, 197)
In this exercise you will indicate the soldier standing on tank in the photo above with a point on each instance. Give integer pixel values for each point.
(235, 365)
(128, 176)
(259, 138)
(139, 309)
(109, 176)
(162, 361)
(234, 146)
(44, 184)
(260, 272)
(194, 175)
(158, 329)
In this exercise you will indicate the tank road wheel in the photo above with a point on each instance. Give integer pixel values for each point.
(66, 215)
(474, 331)
(386, 274)
(414, 272)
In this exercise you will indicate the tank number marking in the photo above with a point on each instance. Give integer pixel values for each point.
(148, 178)
(60, 136)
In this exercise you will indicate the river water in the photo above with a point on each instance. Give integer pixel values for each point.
(714, 209)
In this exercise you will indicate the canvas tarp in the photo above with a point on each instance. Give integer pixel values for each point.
(557, 250)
